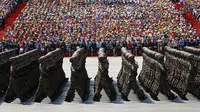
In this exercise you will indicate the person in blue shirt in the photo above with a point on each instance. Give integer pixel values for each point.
(181, 43)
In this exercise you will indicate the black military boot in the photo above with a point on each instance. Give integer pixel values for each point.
(97, 98)
(70, 98)
(172, 97)
(9, 99)
(125, 97)
(155, 98)
(40, 98)
(183, 97)
(113, 96)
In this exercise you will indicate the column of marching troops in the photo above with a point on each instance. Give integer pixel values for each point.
(28, 74)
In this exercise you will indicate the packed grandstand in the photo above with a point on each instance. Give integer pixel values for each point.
(93, 24)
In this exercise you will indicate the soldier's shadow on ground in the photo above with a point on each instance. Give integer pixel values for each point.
(90, 99)
(177, 100)
(132, 97)
(148, 100)
(2, 100)
(118, 100)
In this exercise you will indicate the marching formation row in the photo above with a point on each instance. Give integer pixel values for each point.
(24, 75)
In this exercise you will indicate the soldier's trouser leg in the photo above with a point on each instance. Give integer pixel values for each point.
(182, 96)
(168, 93)
(110, 91)
(2, 90)
(53, 95)
(180, 92)
(97, 93)
(118, 80)
(41, 94)
(71, 93)
(10, 95)
(87, 90)
(139, 92)
(165, 89)
(4, 82)
(196, 92)
(119, 85)
(125, 92)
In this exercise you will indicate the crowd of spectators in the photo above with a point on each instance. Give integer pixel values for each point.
(48, 24)
(194, 7)
(6, 7)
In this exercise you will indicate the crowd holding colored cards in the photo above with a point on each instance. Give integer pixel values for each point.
(48, 24)
(194, 7)
(6, 7)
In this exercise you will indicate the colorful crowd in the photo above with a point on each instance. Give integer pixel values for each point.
(6, 7)
(194, 7)
(49, 24)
